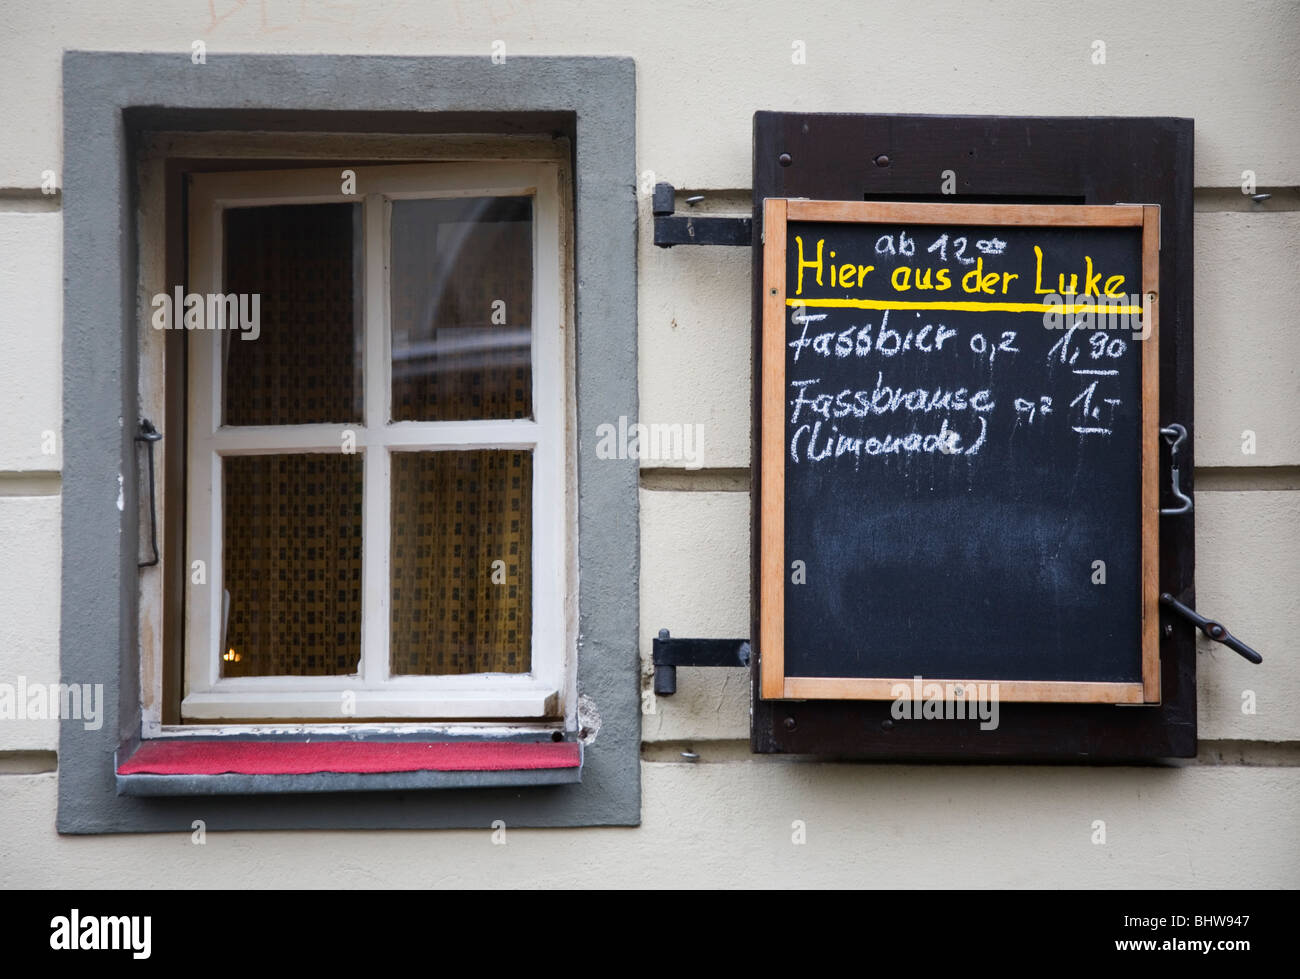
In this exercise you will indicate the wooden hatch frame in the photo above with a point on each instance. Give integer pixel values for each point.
(774, 684)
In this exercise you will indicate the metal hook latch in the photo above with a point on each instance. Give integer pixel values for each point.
(149, 435)
(1212, 629)
(1176, 435)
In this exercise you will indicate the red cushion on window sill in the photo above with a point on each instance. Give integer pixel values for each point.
(187, 757)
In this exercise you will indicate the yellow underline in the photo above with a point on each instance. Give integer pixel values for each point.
(972, 307)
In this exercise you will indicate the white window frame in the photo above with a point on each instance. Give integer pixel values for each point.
(371, 693)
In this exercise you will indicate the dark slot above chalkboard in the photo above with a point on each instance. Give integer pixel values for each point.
(959, 450)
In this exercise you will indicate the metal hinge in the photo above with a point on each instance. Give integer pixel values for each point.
(672, 230)
(669, 653)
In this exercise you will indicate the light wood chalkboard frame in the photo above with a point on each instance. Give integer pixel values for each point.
(774, 683)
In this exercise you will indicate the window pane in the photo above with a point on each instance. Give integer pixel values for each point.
(292, 564)
(461, 296)
(303, 261)
(455, 516)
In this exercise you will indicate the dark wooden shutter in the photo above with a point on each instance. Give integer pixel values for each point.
(998, 159)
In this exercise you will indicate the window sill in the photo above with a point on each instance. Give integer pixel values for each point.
(229, 767)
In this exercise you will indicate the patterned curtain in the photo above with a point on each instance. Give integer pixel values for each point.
(462, 562)
(292, 534)
(292, 564)
(305, 366)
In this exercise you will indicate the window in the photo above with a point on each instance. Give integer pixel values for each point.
(376, 445)
(138, 128)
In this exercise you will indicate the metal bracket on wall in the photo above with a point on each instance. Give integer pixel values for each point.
(669, 653)
(673, 230)
(149, 435)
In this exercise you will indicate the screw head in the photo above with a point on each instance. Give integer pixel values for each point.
(788, 723)
(886, 725)
(784, 159)
(882, 160)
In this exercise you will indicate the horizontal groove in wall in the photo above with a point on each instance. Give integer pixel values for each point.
(729, 201)
(736, 480)
(1211, 479)
(28, 762)
(1271, 754)
(30, 483)
(25, 200)
(1212, 199)
(1204, 199)
(1229, 479)
(1250, 754)
(696, 480)
(739, 200)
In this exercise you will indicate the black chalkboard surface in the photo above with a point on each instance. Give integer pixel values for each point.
(965, 432)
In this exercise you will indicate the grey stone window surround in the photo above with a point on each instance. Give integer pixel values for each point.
(108, 99)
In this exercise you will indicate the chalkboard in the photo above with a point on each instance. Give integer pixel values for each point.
(959, 441)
